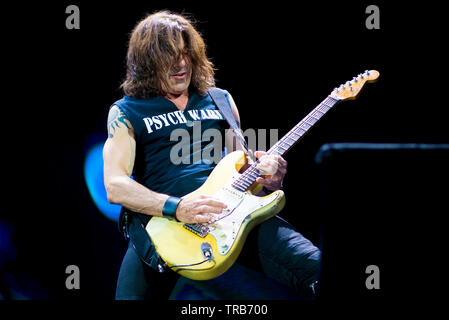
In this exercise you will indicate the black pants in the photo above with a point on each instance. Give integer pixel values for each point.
(282, 254)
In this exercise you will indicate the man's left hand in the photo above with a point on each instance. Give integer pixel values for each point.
(273, 169)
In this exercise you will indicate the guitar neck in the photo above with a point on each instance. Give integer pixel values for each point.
(281, 147)
(297, 132)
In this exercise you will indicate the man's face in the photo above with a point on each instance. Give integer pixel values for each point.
(179, 76)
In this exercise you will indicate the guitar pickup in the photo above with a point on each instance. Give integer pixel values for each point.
(197, 229)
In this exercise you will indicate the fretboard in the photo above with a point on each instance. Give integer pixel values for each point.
(247, 178)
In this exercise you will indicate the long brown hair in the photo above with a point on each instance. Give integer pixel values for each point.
(153, 46)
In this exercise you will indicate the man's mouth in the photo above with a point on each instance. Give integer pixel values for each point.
(179, 75)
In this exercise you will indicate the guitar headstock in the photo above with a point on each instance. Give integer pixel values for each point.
(351, 89)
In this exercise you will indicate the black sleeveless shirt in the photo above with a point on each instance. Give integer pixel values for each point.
(175, 150)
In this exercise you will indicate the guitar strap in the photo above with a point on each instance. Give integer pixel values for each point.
(221, 101)
(137, 234)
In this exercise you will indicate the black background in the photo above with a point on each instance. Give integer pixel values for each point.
(278, 60)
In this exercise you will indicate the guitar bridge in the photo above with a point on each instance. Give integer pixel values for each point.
(197, 229)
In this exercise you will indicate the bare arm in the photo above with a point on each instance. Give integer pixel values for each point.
(119, 156)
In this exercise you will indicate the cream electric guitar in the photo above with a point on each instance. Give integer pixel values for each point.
(205, 251)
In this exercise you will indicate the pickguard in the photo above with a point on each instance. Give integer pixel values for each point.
(240, 205)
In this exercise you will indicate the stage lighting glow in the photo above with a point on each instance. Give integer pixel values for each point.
(93, 174)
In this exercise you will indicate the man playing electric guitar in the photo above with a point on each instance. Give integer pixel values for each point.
(168, 72)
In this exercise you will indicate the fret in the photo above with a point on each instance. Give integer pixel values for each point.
(252, 172)
(253, 175)
(284, 141)
(304, 125)
(323, 108)
(319, 112)
(245, 179)
(328, 103)
(255, 170)
(250, 177)
(238, 184)
(283, 149)
(286, 144)
(276, 152)
(314, 115)
(309, 123)
(292, 139)
(294, 133)
(299, 131)
(324, 104)
(332, 100)
(317, 115)
(245, 186)
(238, 187)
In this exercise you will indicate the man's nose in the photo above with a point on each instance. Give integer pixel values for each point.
(181, 63)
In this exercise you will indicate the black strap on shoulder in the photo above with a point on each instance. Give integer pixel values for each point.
(222, 103)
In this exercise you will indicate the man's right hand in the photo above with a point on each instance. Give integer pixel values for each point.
(201, 209)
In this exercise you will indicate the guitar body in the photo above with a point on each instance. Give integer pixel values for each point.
(182, 246)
